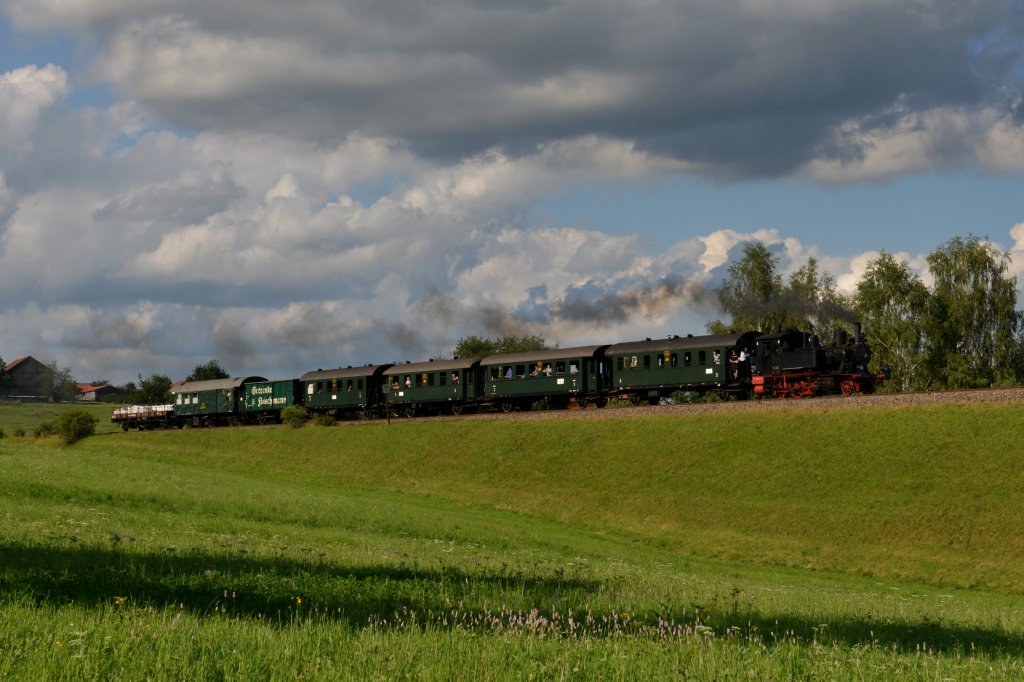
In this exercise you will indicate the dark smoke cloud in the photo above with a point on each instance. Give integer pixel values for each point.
(592, 304)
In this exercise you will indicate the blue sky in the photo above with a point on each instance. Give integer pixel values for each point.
(907, 214)
(284, 186)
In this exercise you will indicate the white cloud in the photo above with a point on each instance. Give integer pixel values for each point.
(25, 95)
(942, 139)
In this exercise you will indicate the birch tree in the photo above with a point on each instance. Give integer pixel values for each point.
(973, 322)
(892, 304)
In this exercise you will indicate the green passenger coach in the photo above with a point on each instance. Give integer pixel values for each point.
(653, 369)
(432, 387)
(346, 390)
(207, 403)
(562, 375)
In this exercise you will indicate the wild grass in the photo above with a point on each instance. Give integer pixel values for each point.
(636, 548)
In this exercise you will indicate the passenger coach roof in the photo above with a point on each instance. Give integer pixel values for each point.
(213, 384)
(683, 343)
(343, 372)
(542, 355)
(432, 366)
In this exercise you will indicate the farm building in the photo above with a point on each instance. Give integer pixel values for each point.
(28, 379)
(94, 393)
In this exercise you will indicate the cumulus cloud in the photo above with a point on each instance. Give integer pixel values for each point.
(25, 95)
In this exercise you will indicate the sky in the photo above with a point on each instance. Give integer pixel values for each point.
(287, 186)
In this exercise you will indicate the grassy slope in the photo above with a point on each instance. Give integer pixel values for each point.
(648, 519)
(931, 494)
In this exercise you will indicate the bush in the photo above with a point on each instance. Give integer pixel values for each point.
(1, 432)
(44, 429)
(294, 416)
(19, 432)
(324, 420)
(74, 425)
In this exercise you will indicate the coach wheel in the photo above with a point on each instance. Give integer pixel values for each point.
(456, 409)
(410, 411)
(634, 399)
(848, 387)
(506, 406)
(600, 402)
(124, 427)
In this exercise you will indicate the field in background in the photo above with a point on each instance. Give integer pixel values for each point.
(25, 416)
(811, 544)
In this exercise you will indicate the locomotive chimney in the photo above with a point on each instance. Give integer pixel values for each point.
(856, 332)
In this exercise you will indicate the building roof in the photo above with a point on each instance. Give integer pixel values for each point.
(11, 365)
(89, 388)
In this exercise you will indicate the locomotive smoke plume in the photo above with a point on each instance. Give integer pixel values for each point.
(645, 301)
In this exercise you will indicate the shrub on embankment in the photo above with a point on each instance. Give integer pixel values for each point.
(930, 493)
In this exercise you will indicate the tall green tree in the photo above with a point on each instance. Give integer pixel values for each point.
(156, 390)
(752, 293)
(62, 382)
(892, 303)
(973, 322)
(756, 298)
(207, 372)
(813, 303)
(478, 346)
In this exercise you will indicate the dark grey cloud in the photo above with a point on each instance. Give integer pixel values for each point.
(733, 87)
(595, 303)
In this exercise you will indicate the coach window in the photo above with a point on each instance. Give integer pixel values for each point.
(675, 360)
(319, 387)
(520, 371)
(442, 379)
(334, 385)
(560, 367)
(687, 360)
(179, 399)
(494, 374)
(430, 379)
(647, 362)
(309, 388)
(359, 384)
(702, 358)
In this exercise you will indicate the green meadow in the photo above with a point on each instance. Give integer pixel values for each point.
(24, 416)
(857, 544)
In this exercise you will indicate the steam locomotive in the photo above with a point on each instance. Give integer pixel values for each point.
(787, 364)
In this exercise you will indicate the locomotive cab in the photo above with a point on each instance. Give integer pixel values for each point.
(786, 351)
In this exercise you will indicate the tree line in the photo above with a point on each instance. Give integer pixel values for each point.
(962, 331)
